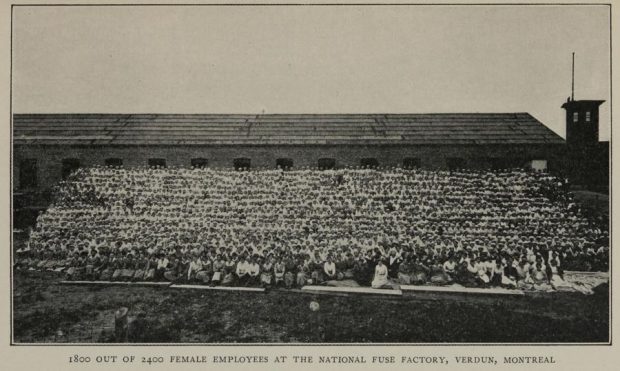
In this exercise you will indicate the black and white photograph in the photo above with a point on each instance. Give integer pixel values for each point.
(311, 174)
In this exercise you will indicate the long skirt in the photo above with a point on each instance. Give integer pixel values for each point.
(170, 275)
(70, 271)
(79, 273)
(404, 279)
(559, 284)
(265, 278)
(289, 279)
(117, 274)
(440, 278)
(379, 282)
(127, 274)
(203, 276)
(419, 278)
(317, 276)
(228, 279)
(301, 279)
(138, 275)
(106, 274)
(149, 275)
(217, 277)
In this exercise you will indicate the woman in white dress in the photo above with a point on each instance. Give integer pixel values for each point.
(381, 276)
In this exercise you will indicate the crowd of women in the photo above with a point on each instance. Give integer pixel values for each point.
(375, 227)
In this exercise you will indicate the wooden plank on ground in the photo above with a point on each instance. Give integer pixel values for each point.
(116, 283)
(462, 290)
(222, 288)
(352, 290)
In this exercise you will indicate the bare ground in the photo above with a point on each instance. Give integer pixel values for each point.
(45, 311)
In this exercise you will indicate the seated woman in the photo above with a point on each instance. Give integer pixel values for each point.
(290, 267)
(303, 272)
(241, 272)
(348, 264)
(117, 264)
(511, 275)
(278, 272)
(228, 276)
(557, 281)
(539, 277)
(172, 274)
(107, 268)
(253, 272)
(92, 260)
(380, 279)
(204, 275)
(438, 275)
(99, 266)
(449, 266)
(464, 276)
(405, 271)
(266, 276)
(162, 266)
(195, 267)
(497, 274)
(419, 275)
(218, 270)
(362, 273)
(151, 267)
(523, 274)
(128, 268)
(74, 264)
(329, 269)
(141, 265)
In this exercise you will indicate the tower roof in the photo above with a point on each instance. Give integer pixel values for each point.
(583, 103)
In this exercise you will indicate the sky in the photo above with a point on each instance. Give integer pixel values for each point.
(302, 59)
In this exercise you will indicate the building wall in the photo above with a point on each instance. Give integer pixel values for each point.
(49, 158)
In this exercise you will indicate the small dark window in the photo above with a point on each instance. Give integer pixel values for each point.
(506, 163)
(242, 163)
(575, 116)
(412, 163)
(153, 162)
(327, 163)
(455, 163)
(199, 163)
(284, 163)
(369, 163)
(28, 173)
(114, 162)
(69, 165)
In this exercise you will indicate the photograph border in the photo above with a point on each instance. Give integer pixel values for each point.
(475, 4)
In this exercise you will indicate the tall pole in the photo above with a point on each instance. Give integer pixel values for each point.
(573, 80)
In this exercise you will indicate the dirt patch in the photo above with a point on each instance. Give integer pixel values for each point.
(45, 311)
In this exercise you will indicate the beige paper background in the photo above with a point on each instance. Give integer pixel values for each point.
(49, 357)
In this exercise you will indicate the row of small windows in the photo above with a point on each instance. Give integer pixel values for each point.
(587, 113)
(28, 167)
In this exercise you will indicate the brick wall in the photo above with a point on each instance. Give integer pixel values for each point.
(49, 158)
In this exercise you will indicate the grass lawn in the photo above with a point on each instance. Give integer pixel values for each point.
(45, 311)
